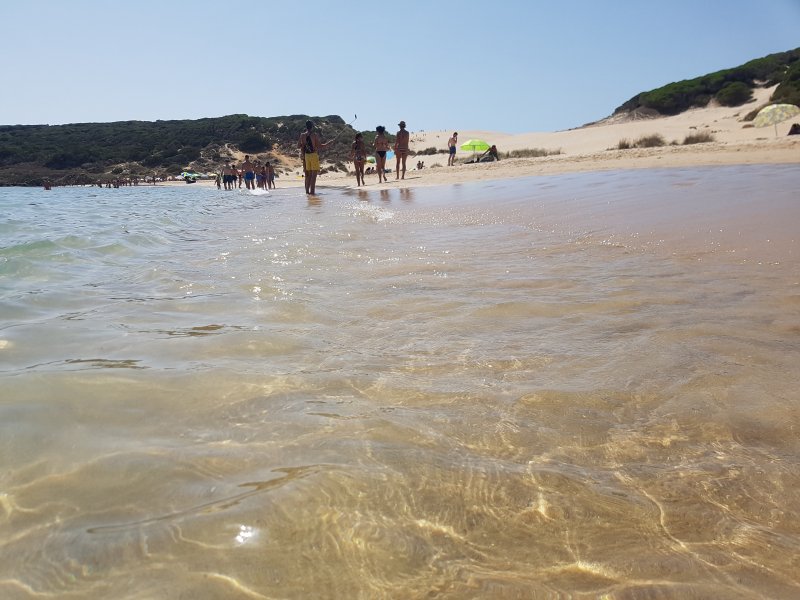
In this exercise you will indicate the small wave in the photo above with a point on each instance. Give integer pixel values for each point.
(376, 213)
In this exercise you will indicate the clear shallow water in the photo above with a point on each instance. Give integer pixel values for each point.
(568, 386)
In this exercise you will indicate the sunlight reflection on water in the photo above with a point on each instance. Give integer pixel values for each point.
(572, 386)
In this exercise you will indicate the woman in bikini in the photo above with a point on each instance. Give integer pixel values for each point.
(358, 155)
(401, 150)
(381, 148)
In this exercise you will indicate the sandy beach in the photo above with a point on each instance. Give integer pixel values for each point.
(591, 148)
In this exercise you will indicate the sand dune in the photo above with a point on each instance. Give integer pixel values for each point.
(724, 123)
(595, 148)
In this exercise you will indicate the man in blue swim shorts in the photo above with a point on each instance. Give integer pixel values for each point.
(249, 173)
(451, 145)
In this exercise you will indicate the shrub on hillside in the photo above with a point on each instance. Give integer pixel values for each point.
(254, 142)
(735, 93)
(646, 141)
(69, 158)
(189, 153)
(752, 114)
(651, 141)
(532, 153)
(700, 137)
(789, 90)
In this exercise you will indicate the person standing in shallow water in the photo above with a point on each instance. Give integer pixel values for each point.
(228, 176)
(310, 145)
(381, 148)
(358, 155)
(401, 149)
(249, 173)
(270, 176)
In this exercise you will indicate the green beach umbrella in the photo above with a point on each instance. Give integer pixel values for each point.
(475, 146)
(774, 114)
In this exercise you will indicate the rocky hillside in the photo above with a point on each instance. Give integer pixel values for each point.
(91, 152)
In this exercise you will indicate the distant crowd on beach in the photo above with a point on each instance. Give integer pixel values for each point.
(117, 182)
(254, 175)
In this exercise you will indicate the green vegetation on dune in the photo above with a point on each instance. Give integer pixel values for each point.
(788, 90)
(86, 152)
(729, 87)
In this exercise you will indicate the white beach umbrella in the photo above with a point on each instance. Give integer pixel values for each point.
(774, 114)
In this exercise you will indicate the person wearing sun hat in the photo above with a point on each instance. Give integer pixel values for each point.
(401, 149)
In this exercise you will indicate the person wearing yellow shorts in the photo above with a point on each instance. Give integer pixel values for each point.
(312, 161)
(310, 145)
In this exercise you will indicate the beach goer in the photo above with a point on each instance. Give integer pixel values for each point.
(228, 177)
(270, 176)
(401, 150)
(489, 155)
(358, 154)
(249, 173)
(310, 145)
(381, 148)
(451, 147)
(261, 175)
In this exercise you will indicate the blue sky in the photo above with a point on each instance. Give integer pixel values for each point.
(512, 66)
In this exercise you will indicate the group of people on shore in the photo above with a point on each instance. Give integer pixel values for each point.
(254, 174)
(115, 183)
(358, 153)
(310, 145)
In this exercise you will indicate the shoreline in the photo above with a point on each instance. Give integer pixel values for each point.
(785, 150)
